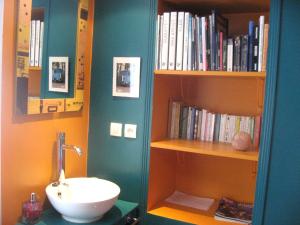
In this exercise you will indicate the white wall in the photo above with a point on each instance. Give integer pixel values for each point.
(1, 37)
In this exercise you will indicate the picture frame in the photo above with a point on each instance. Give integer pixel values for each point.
(59, 74)
(126, 77)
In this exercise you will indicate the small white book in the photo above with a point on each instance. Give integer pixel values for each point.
(261, 42)
(172, 43)
(37, 43)
(230, 55)
(32, 42)
(165, 41)
(41, 44)
(185, 41)
(157, 43)
(179, 45)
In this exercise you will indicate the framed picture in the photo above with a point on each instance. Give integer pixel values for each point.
(126, 77)
(58, 74)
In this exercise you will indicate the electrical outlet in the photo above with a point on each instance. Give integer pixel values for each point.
(116, 129)
(130, 130)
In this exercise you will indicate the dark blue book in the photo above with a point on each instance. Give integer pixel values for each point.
(244, 52)
(217, 128)
(250, 44)
(184, 120)
(192, 127)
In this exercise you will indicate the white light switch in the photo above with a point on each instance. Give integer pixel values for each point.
(116, 129)
(130, 130)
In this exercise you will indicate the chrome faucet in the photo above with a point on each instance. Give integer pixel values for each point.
(61, 147)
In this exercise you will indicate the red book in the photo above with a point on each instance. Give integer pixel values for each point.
(257, 128)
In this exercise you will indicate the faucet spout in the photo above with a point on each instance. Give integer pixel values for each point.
(61, 147)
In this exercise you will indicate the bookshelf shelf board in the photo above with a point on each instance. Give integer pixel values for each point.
(35, 68)
(186, 214)
(205, 148)
(210, 74)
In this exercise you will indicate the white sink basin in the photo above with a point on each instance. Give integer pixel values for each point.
(83, 200)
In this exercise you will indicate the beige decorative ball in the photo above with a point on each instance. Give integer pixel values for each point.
(241, 141)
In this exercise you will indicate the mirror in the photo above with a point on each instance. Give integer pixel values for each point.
(50, 57)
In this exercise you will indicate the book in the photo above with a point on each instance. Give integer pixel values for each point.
(172, 40)
(244, 53)
(203, 124)
(160, 41)
(237, 54)
(165, 41)
(233, 211)
(230, 55)
(184, 120)
(265, 48)
(198, 136)
(32, 43)
(255, 49)
(41, 44)
(203, 34)
(179, 45)
(37, 43)
(261, 42)
(157, 43)
(190, 44)
(185, 41)
(250, 45)
(257, 127)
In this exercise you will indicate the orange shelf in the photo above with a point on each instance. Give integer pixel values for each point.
(35, 68)
(210, 74)
(186, 214)
(205, 148)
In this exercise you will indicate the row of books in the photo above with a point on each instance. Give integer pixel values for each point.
(187, 42)
(233, 211)
(192, 123)
(36, 43)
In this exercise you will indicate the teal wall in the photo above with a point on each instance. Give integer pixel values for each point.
(283, 184)
(121, 29)
(59, 40)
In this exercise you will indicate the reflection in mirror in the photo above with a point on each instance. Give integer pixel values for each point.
(51, 30)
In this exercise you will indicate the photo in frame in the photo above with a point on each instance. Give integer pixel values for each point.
(58, 74)
(126, 77)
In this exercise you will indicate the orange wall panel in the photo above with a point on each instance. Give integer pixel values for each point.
(28, 142)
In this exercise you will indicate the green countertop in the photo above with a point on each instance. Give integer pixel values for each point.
(115, 215)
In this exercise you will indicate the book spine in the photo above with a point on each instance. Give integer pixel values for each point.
(189, 123)
(192, 128)
(217, 128)
(165, 41)
(212, 127)
(255, 49)
(261, 42)
(252, 121)
(217, 56)
(32, 43)
(207, 126)
(222, 128)
(172, 41)
(244, 53)
(196, 124)
(37, 43)
(177, 119)
(161, 40)
(190, 46)
(193, 50)
(226, 129)
(200, 44)
(224, 54)
(251, 42)
(221, 67)
(185, 41)
(184, 122)
(197, 47)
(179, 49)
(203, 123)
(208, 44)
(237, 54)
(157, 43)
(213, 40)
(265, 49)
(204, 57)
(199, 126)
(230, 55)
(41, 44)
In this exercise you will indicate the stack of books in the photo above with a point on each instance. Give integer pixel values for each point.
(233, 211)
(36, 43)
(192, 123)
(187, 42)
